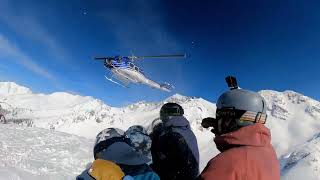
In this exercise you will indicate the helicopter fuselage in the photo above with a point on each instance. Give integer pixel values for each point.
(127, 72)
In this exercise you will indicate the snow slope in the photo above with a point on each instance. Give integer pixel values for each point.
(303, 162)
(33, 153)
(293, 118)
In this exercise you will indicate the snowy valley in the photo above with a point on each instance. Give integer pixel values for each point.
(51, 135)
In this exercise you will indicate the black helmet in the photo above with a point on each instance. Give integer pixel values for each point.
(170, 109)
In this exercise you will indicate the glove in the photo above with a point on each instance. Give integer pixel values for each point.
(208, 122)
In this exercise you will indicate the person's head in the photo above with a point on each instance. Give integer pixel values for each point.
(112, 144)
(169, 110)
(237, 108)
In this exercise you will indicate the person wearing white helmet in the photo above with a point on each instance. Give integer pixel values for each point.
(116, 157)
(241, 137)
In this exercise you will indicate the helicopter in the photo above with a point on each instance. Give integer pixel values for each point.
(124, 70)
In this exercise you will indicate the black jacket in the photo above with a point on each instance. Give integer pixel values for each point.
(175, 151)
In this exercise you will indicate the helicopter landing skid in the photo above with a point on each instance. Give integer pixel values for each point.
(115, 82)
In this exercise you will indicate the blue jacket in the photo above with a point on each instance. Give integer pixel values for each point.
(140, 172)
(174, 149)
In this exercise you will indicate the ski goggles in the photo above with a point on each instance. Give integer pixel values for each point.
(172, 111)
(242, 115)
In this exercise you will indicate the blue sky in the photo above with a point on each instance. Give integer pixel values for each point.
(48, 45)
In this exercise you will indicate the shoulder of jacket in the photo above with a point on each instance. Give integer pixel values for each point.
(173, 136)
(147, 176)
(233, 158)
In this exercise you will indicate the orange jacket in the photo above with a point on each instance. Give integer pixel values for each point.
(246, 155)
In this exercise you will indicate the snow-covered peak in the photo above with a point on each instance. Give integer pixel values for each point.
(16, 96)
(286, 96)
(303, 162)
(292, 118)
(142, 106)
(11, 88)
(178, 98)
(279, 103)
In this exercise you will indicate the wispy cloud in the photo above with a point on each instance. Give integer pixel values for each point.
(9, 51)
(142, 25)
(25, 23)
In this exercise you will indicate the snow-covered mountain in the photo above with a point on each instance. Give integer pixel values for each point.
(293, 118)
(11, 88)
(303, 162)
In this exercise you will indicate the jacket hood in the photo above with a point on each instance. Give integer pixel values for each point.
(253, 135)
(180, 125)
(122, 153)
(176, 121)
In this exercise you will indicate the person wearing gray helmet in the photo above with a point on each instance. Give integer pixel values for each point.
(241, 137)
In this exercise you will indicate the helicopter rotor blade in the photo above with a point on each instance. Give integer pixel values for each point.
(103, 58)
(100, 58)
(162, 56)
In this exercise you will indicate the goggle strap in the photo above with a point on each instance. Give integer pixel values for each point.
(173, 111)
(254, 117)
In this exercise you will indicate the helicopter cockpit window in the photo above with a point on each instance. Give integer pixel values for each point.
(131, 65)
(136, 68)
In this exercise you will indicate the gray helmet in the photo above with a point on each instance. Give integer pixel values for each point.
(247, 107)
(237, 108)
(242, 100)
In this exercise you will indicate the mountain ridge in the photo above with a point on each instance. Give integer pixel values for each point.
(292, 117)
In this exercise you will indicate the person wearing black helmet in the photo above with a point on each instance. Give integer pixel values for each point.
(174, 148)
(241, 137)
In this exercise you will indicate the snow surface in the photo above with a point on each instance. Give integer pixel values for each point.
(304, 162)
(34, 153)
(293, 120)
